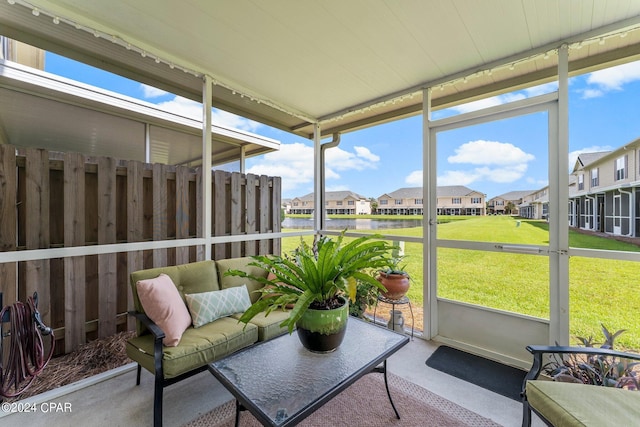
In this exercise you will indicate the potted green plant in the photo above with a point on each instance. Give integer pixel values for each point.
(395, 279)
(595, 369)
(314, 280)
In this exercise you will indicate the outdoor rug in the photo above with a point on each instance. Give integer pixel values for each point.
(494, 376)
(365, 403)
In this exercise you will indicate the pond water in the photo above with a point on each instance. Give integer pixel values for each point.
(352, 223)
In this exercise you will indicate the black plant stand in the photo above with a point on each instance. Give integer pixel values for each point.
(393, 302)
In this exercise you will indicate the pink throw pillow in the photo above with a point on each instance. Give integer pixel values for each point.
(162, 303)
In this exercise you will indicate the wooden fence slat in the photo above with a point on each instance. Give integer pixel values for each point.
(252, 215)
(8, 219)
(220, 212)
(37, 273)
(182, 212)
(159, 212)
(276, 197)
(265, 200)
(135, 213)
(107, 263)
(236, 212)
(74, 267)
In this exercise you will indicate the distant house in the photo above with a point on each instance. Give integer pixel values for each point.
(286, 205)
(451, 200)
(508, 203)
(605, 196)
(535, 205)
(459, 200)
(404, 201)
(336, 202)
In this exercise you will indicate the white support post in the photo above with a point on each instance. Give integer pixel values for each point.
(243, 157)
(207, 92)
(318, 181)
(147, 143)
(558, 208)
(430, 220)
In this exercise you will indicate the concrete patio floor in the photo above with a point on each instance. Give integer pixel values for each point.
(117, 401)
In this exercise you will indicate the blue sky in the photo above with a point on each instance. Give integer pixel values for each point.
(493, 158)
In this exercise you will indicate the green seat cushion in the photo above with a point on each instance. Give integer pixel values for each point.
(197, 347)
(568, 404)
(242, 263)
(268, 326)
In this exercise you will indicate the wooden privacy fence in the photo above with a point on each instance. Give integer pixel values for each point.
(52, 200)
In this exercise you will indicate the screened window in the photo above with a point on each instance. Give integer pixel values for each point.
(580, 182)
(418, 201)
(621, 168)
(339, 202)
(398, 201)
(384, 202)
(594, 178)
(476, 200)
(350, 202)
(456, 201)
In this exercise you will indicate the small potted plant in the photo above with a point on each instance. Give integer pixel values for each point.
(315, 279)
(395, 279)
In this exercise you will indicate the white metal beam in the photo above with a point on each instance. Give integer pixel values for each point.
(206, 164)
(429, 221)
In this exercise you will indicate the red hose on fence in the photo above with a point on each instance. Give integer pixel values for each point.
(26, 358)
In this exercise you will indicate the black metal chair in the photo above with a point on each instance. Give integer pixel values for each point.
(538, 365)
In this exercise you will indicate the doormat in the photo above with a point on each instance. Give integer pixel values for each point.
(496, 377)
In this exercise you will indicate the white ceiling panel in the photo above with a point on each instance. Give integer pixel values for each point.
(288, 63)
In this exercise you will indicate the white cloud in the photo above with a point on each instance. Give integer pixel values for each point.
(337, 159)
(365, 153)
(482, 152)
(414, 178)
(573, 155)
(294, 163)
(457, 178)
(152, 92)
(505, 174)
(191, 109)
(611, 79)
(591, 93)
(495, 162)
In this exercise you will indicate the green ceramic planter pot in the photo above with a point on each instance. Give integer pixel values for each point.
(322, 331)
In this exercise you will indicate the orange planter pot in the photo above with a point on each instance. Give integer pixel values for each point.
(396, 285)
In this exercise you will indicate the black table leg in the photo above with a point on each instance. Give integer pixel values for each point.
(237, 413)
(383, 370)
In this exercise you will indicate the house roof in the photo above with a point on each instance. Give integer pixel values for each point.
(343, 64)
(455, 191)
(405, 193)
(334, 195)
(441, 191)
(514, 195)
(585, 159)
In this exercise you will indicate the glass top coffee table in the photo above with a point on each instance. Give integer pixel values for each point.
(281, 383)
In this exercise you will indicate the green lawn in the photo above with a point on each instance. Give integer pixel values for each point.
(601, 291)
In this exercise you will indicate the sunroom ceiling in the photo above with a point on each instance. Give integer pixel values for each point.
(346, 64)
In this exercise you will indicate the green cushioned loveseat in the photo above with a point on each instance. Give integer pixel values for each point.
(202, 345)
(562, 404)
